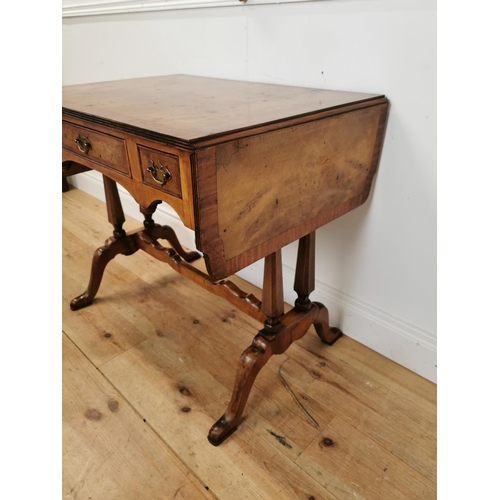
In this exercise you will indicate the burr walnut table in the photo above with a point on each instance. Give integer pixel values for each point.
(249, 167)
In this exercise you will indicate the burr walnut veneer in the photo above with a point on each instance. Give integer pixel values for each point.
(249, 167)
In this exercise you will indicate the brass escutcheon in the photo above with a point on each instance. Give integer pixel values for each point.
(83, 143)
(164, 171)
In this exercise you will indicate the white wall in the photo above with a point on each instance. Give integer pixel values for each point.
(376, 266)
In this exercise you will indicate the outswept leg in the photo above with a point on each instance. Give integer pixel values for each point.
(249, 365)
(293, 326)
(264, 345)
(328, 335)
(102, 256)
(279, 332)
(119, 243)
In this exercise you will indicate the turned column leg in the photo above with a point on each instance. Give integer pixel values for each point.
(119, 243)
(114, 207)
(304, 285)
(273, 303)
(304, 271)
(148, 212)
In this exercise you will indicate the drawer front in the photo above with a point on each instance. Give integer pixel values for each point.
(160, 170)
(101, 148)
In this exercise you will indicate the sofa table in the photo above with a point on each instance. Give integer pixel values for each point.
(249, 167)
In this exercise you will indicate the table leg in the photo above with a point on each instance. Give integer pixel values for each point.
(114, 206)
(304, 285)
(70, 168)
(119, 243)
(279, 332)
(305, 271)
(102, 256)
(257, 355)
(273, 303)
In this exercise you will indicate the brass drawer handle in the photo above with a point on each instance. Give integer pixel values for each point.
(164, 171)
(83, 143)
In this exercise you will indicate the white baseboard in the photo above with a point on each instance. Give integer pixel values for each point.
(394, 338)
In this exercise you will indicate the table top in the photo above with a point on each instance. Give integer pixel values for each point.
(192, 108)
(252, 166)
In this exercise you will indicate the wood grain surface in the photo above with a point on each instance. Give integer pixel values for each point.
(131, 171)
(257, 194)
(108, 450)
(104, 148)
(191, 108)
(271, 183)
(252, 167)
(321, 422)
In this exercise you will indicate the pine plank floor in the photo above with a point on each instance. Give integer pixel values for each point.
(150, 366)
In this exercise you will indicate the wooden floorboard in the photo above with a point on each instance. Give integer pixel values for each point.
(321, 422)
(108, 450)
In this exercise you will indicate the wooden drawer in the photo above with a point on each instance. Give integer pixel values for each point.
(98, 147)
(160, 170)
